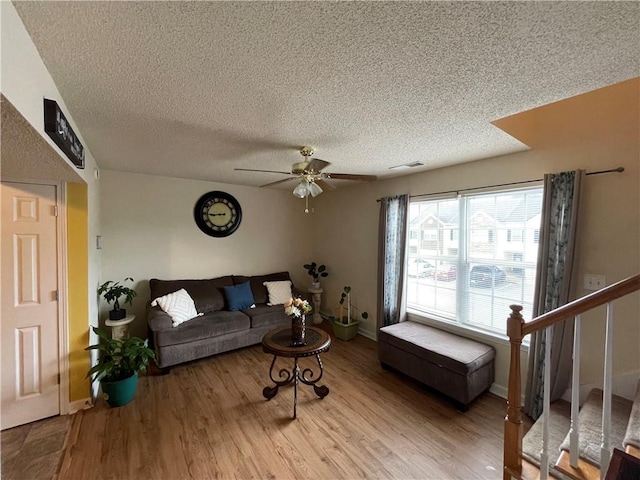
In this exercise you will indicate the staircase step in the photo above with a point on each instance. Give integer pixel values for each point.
(632, 436)
(584, 470)
(590, 429)
(559, 421)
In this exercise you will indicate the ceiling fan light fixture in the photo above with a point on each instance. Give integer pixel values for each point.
(314, 189)
(302, 189)
(299, 168)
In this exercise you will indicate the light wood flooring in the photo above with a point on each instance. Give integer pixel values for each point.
(208, 419)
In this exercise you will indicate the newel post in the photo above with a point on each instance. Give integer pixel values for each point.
(513, 420)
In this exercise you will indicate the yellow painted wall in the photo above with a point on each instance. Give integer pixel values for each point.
(77, 290)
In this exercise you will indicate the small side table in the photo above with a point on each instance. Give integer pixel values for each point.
(278, 343)
(120, 328)
(317, 298)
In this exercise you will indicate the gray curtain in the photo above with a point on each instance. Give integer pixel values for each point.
(392, 241)
(554, 275)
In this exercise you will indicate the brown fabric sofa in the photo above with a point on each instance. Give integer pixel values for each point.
(218, 330)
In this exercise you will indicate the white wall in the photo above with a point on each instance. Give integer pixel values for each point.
(149, 232)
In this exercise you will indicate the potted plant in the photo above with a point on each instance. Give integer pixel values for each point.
(119, 362)
(112, 291)
(345, 324)
(316, 271)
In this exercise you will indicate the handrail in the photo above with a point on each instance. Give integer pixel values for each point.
(581, 305)
(517, 329)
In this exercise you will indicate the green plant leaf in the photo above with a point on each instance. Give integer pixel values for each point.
(119, 359)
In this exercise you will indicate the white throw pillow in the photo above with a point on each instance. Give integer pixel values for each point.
(279, 292)
(179, 305)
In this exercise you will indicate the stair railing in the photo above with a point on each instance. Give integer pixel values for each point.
(517, 329)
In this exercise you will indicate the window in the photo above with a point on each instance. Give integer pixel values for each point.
(514, 235)
(477, 256)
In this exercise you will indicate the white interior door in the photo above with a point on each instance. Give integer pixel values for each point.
(29, 326)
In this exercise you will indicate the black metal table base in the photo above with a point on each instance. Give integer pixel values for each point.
(296, 374)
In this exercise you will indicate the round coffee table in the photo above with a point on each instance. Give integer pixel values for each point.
(278, 343)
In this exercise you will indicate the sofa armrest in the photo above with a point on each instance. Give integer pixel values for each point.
(158, 319)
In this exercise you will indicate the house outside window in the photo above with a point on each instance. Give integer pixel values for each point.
(488, 264)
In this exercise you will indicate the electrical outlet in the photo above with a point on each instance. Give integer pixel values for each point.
(594, 282)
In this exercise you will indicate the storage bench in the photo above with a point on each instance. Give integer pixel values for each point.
(458, 367)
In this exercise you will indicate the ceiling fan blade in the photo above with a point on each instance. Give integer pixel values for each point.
(267, 171)
(315, 165)
(349, 176)
(279, 181)
(325, 185)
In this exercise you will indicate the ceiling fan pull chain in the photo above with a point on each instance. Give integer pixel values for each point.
(306, 201)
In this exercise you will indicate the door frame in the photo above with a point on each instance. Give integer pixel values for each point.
(63, 320)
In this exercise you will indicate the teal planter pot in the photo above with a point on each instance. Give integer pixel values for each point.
(121, 392)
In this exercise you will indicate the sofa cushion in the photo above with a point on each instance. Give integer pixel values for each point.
(207, 294)
(258, 289)
(265, 316)
(239, 296)
(458, 354)
(279, 292)
(179, 305)
(207, 326)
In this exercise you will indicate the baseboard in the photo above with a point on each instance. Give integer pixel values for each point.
(78, 405)
(366, 333)
(499, 390)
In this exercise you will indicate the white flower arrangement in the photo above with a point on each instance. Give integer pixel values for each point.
(297, 307)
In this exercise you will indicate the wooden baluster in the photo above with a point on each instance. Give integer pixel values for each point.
(605, 447)
(513, 419)
(574, 437)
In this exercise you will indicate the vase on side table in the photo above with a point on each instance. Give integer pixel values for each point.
(297, 330)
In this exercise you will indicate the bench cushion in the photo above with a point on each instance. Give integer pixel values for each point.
(445, 349)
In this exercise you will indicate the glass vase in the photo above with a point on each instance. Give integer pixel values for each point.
(297, 330)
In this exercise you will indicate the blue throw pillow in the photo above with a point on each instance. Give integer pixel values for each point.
(239, 297)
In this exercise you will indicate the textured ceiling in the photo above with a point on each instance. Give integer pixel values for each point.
(196, 89)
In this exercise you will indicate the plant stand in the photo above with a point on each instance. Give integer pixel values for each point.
(120, 328)
(317, 298)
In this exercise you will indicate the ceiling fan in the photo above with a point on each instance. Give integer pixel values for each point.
(311, 180)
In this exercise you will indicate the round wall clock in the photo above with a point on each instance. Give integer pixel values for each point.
(217, 214)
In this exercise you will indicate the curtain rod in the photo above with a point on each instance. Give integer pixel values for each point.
(613, 170)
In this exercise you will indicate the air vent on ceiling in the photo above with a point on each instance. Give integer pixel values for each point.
(407, 165)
